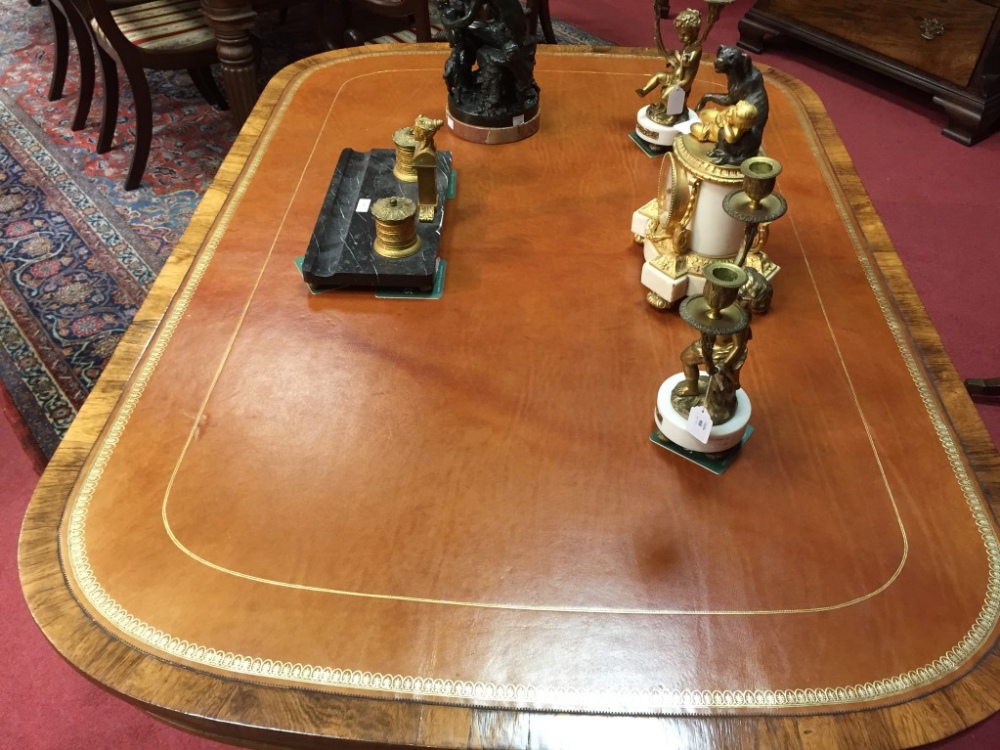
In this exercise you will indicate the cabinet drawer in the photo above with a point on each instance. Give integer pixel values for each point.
(892, 28)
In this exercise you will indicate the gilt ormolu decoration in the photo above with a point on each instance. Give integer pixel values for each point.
(686, 227)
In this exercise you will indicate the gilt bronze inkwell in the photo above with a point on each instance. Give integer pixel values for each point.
(380, 224)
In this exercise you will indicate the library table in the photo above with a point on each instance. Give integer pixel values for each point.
(297, 520)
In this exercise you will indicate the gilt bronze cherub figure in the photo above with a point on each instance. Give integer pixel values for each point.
(657, 124)
(681, 67)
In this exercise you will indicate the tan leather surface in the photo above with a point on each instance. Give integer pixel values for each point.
(464, 491)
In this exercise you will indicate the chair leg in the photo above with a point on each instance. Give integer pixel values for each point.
(109, 117)
(85, 50)
(59, 65)
(546, 18)
(204, 81)
(990, 387)
(143, 124)
(531, 15)
(331, 22)
(422, 22)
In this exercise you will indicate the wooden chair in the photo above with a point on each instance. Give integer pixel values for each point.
(66, 19)
(342, 27)
(156, 35)
(988, 388)
(538, 10)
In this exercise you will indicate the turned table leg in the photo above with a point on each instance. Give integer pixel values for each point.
(233, 21)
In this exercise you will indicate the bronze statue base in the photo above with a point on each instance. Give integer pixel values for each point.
(518, 129)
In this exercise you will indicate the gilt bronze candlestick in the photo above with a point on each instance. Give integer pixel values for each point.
(711, 364)
(757, 205)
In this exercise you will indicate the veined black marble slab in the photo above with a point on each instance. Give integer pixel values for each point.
(341, 251)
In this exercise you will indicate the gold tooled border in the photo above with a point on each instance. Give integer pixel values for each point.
(220, 368)
(654, 700)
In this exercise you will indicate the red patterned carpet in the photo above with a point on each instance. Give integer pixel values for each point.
(79, 252)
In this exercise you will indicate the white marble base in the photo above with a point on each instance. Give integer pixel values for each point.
(674, 426)
(658, 282)
(661, 135)
(640, 223)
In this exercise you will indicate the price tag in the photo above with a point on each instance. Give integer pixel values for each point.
(699, 423)
(363, 205)
(518, 120)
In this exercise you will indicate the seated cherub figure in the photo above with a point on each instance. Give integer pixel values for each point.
(681, 68)
(725, 125)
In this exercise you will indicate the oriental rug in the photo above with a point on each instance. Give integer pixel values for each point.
(77, 252)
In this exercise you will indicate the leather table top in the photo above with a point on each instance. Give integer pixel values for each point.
(456, 501)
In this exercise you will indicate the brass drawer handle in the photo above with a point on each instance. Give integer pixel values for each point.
(930, 28)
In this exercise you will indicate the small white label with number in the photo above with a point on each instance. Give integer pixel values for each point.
(363, 205)
(519, 120)
(699, 423)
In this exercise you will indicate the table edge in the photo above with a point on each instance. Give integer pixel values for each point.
(212, 705)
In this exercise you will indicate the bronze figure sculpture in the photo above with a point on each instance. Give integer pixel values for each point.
(490, 72)
(681, 65)
(744, 83)
(424, 163)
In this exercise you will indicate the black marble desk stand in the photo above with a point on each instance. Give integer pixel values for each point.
(341, 251)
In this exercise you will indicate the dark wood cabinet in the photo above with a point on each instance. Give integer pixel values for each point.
(949, 48)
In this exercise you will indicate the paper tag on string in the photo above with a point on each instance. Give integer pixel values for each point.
(699, 423)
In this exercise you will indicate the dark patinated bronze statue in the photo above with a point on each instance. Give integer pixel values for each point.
(744, 87)
(490, 73)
